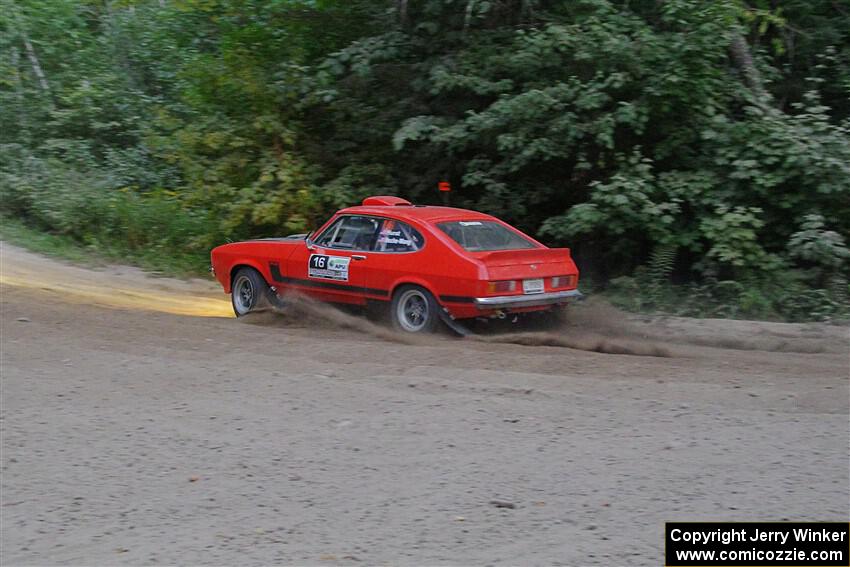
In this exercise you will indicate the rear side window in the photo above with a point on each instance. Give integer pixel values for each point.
(351, 233)
(484, 236)
(396, 236)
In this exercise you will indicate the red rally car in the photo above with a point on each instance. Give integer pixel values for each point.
(427, 263)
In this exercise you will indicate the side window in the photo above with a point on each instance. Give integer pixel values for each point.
(396, 236)
(350, 233)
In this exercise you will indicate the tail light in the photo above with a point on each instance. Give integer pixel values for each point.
(501, 287)
(563, 281)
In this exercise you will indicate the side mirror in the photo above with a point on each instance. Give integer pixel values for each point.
(309, 240)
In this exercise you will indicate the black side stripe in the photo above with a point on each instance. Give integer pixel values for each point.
(336, 286)
(274, 267)
(457, 299)
(280, 278)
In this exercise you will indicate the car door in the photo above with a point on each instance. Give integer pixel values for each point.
(335, 266)
(396, 256)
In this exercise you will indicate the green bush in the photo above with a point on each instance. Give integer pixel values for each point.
(789, 299)
(153, 228)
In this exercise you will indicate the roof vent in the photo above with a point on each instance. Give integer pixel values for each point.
(385, 201)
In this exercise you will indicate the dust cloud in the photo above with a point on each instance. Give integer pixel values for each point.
(593, 327)
(300, 311)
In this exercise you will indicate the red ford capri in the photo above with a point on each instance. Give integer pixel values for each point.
(427, 263)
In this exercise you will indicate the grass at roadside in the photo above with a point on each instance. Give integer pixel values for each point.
(17, 232)
(792, 300)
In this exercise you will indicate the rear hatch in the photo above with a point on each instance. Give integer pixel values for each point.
(526, 264)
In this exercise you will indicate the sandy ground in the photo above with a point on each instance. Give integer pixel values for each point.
(132, 434)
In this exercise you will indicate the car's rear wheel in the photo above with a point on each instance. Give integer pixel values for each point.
(414, 310)
(249, 292)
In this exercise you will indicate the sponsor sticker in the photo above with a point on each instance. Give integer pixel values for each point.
(400, 241)
(326, 267)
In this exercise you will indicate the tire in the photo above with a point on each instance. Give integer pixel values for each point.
(249, 292)
(414, 310)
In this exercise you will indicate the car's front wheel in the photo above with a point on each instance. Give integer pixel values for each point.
(414, 310)
(249, 291)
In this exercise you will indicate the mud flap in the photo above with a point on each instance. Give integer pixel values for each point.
(453, 324)
(276, 301)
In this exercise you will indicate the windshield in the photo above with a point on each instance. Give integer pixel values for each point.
(484, 236)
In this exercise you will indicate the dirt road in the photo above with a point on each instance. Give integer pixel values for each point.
(135, 435)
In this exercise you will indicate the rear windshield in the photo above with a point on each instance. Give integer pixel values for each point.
(484, 236)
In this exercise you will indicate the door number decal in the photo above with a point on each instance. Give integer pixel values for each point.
(328, 267)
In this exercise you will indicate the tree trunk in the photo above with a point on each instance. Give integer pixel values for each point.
(37, 70)
(467, 20)
(743, 59)
(36, 66)
(119, 48)
(19, 94)
(402, 13)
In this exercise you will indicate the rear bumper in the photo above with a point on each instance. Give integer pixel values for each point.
(514, 301)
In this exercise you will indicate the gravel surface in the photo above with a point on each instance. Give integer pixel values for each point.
(132, 436)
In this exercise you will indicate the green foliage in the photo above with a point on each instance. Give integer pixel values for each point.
(659, 269)
(789, 299)
(733, 235)
(15, 231)
(813, 243)
(80, 204)
(634, 132)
